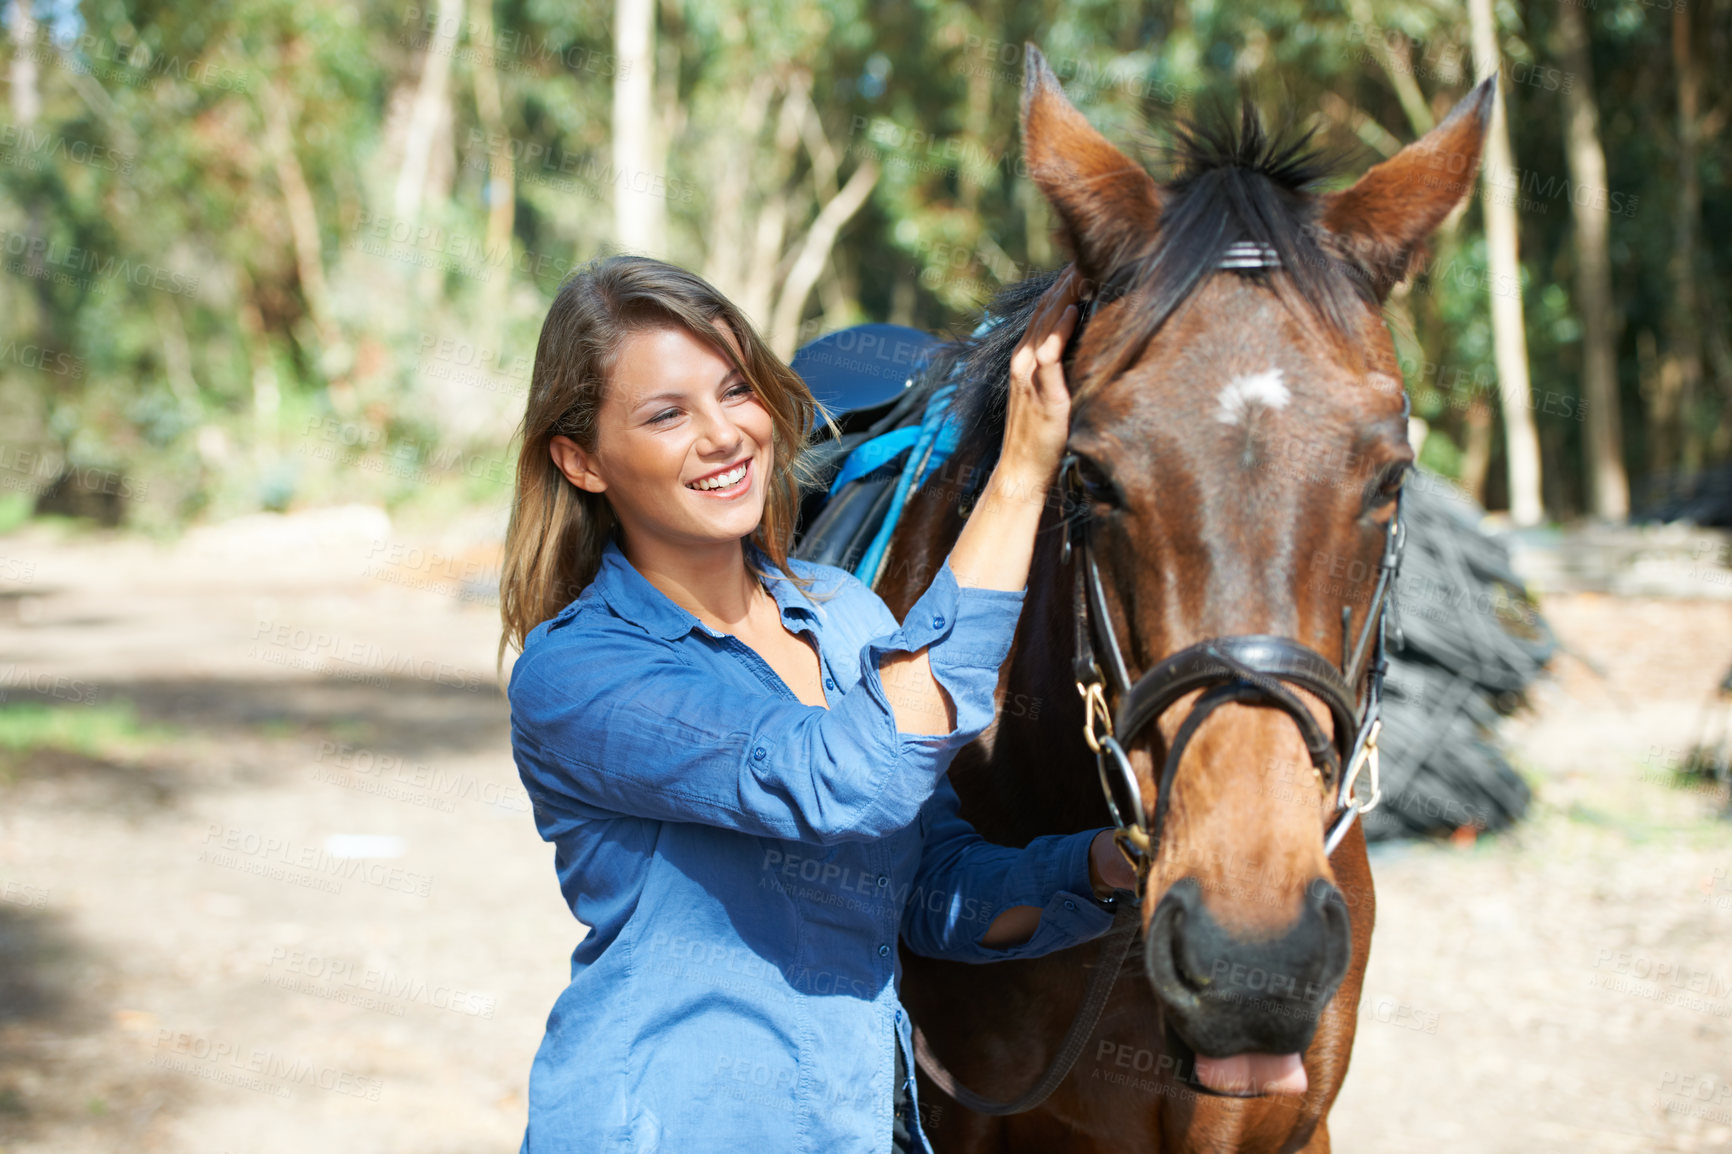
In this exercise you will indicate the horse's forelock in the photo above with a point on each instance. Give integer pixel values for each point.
(1234, 181)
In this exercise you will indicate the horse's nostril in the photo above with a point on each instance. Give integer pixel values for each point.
(1187, 966)
(1337, 936)
(1183, 964)
(1168, 956)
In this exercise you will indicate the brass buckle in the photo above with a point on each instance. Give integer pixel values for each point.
(1366, 759)
(1133, 843)
(1094, 706)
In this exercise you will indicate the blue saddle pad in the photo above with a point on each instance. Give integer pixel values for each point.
(878, 468)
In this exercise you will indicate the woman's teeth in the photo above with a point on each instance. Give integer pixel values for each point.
(722, 480)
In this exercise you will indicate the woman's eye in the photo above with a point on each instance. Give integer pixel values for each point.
(669, 414)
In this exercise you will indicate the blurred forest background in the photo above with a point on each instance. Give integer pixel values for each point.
(271, 254)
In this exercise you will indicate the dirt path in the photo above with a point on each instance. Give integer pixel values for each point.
(291, 899)
(1570, 984)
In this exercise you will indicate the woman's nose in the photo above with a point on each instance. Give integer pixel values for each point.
(717, 430)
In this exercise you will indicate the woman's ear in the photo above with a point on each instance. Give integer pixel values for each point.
(576, 464)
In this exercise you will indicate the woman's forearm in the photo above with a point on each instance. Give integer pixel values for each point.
(1108, 871)
(993, 551)
(996, 545)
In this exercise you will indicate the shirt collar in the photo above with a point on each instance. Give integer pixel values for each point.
(631, 596)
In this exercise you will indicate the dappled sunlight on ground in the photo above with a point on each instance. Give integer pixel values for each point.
(268, 881)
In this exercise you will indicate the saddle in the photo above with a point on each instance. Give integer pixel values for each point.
(893, 412)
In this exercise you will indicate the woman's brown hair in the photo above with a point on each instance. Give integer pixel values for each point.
(554, 543)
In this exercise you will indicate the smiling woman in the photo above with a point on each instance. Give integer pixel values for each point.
(676, 354)
(741, 757)
(703, 415)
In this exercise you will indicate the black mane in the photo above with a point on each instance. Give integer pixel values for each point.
(1234, 182)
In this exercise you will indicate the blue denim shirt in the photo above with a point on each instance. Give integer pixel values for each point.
(745, 862)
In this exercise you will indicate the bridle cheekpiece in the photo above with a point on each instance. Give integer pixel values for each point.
(1256, 669)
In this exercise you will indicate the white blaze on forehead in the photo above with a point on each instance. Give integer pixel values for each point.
(1264, 388)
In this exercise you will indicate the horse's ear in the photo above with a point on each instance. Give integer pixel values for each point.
(1383, 219)
(1108, 204)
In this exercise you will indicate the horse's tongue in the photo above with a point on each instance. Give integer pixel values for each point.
(1253, 1074)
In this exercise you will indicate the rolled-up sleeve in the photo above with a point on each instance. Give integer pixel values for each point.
(964, 882)
(610, 717)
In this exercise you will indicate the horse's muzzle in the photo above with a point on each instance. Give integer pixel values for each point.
(1225, 995)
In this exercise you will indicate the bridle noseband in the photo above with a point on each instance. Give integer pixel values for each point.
(1254, 669)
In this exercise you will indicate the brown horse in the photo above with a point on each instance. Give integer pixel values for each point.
(1239, 434)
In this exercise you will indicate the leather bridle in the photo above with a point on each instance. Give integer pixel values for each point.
(1249, 668)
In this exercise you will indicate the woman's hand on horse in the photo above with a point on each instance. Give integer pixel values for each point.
(1037, 421)
(1109, 870)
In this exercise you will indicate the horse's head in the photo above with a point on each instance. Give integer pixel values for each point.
(1240, 435)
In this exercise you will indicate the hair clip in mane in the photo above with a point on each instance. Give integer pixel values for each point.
(1247, 254)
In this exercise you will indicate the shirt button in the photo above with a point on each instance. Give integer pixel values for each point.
(828, 684)
(1069, 905)
(938, 621)
(883, 879)
(758, 754)
(883, 951)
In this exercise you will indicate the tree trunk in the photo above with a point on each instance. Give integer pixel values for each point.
(298, 207)
(733, 160)
(1476, 448)
(431, 110)
(1509, 337)
(814, 252)
(640, 222)
(1607, 484)
(764, 268)
(26, 97)
(501, 177)
(1681, 372)
(1399, 69)
(332, 356)
(267, 390)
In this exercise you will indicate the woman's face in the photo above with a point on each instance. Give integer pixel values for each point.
(682, 444)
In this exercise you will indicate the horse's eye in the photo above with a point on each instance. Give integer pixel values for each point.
(1389, 483)
(1096, 485)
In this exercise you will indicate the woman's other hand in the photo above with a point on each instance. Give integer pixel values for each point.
(1109, 869)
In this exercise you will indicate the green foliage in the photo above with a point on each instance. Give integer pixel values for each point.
(188, 337)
